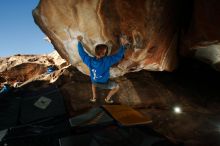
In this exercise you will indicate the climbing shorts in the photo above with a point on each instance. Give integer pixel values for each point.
(109, 85)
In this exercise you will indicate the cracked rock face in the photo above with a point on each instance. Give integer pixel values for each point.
(150, 26)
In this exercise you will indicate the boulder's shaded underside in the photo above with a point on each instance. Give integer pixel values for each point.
(156, 94)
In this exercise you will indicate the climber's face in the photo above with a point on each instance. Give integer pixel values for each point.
(101, 51)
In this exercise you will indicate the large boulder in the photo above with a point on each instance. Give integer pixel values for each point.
(149, 24)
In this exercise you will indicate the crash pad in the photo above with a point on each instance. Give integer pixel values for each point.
(126, 116)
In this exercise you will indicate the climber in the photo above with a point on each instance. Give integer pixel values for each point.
(99, 67)
(5, 89)
(51, 69)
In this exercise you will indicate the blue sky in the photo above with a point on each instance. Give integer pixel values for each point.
(18, 32)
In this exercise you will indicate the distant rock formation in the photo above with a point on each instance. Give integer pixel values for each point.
(19, 70)
(149, 24)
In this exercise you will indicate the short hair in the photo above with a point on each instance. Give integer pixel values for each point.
(99, 49)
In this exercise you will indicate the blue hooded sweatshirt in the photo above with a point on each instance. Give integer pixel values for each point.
(99, 68)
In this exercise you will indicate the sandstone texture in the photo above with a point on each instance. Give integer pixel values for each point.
(150, 26)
